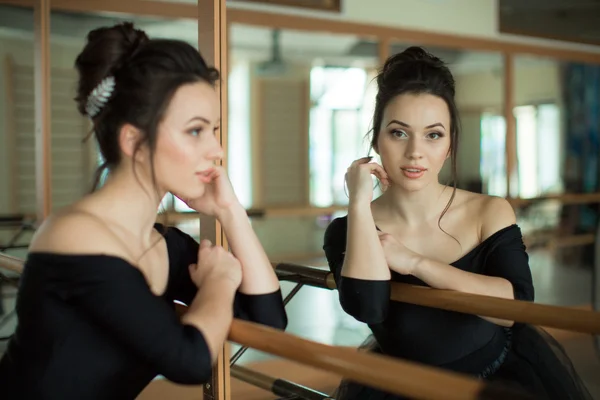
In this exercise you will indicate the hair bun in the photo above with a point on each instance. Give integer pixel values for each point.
(410, 58)
(122, 41)
(415, 53)
(107, 50)
(417, 67)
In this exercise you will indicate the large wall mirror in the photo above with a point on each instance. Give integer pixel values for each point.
(300, 105)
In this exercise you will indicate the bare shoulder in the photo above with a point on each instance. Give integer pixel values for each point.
(73, 231)
(464, 198)
(489, 214)
(467, 204)
(495, 213)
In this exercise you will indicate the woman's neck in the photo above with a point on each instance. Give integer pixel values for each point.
(128, 202)
(413, 208)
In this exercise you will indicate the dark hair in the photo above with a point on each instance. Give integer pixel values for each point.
(147, 73)
(415, 71)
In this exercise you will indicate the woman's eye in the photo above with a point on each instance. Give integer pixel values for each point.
(398, 133)
(196, 132)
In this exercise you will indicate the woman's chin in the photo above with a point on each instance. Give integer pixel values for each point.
(196, 192)
(410, 185)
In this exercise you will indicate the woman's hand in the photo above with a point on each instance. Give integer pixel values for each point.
(358, 179)
(218, 195)
(214, 264)
(399, 257)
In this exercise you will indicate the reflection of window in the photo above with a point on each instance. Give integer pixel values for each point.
(538, 149)
(238, 132)
(342, 107)
(493, 159)
(526, 150)
(549, 128)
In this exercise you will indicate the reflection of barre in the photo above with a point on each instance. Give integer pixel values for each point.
(563, 199)
(16, 220)
(180, 217)
(511, 310)
(279, 387)
(10, 263)
(394, 376)
(23, 223)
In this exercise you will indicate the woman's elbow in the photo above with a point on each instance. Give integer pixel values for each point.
(523, 291)
(362, 310)
(190, 372)
(190, 362)
(191, 377)
(280, 323)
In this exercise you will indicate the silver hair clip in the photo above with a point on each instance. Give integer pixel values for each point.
(100, 96)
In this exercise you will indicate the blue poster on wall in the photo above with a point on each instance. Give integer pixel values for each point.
(581, 88)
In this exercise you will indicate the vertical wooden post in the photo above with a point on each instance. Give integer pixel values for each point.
(43, 164)
(212, 43)
(383, 50)
(512, 189)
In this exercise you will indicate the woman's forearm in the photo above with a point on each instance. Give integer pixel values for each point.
(364, 257)
(258, 274)
(444, 276)
(211, 312)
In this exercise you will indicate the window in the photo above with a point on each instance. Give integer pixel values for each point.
(538, 136)
(493, 154)
(538, 150)
(342, 107)
(239, 165)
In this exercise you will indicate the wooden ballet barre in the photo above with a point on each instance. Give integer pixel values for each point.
(512, 310)
(392, 375)
(11, 263)
(13, 220)
(279, 387)
(395, 376)
(268, 212)
(563, 199)
(17, 220)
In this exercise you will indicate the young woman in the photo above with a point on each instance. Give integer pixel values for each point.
(422, 232)
(95, 306)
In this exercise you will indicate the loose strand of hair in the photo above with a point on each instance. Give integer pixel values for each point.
(450, 202)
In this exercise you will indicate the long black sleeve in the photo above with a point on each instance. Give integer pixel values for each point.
(508, 259)
(367, 301)
(266, 309)
(117, 299)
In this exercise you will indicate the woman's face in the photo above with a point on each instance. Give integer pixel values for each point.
(414, 141)
(186, 146)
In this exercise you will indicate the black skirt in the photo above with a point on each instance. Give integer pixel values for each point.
(533, 361)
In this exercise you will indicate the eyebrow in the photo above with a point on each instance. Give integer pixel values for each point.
(206, 121)
(395, 121)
